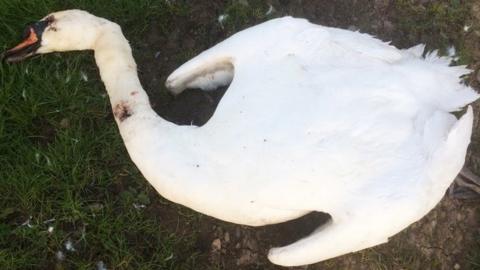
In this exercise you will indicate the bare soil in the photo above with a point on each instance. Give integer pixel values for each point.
(441, 240)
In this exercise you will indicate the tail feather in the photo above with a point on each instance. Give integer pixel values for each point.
(449, 158)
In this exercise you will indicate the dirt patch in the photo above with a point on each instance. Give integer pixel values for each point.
(231, 246)
(43, 132)
(441, 240)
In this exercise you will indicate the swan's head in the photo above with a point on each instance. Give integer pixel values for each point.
(67, 30)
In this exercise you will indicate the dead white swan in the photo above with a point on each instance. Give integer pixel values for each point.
(315, 119)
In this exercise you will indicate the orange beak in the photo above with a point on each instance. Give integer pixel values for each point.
(25, 49)
(31, 39)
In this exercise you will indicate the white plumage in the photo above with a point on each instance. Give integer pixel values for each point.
(315, 119)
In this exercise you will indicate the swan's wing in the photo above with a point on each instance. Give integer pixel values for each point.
(216, 66)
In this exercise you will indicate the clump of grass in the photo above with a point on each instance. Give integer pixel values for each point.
(439, 24)
(242, 13)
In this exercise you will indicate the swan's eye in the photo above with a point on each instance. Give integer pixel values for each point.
(49, 21)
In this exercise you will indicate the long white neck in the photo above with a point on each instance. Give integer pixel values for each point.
(147, 137)
(119, 74)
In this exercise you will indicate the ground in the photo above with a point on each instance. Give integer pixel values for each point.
(72, 199)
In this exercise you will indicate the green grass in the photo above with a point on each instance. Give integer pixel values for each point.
(63, 163)
(240, 14)
(439, 24)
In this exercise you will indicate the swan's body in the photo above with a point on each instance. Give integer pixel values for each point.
(315, 119)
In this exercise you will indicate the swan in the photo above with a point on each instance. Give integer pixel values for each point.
(315, 119)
